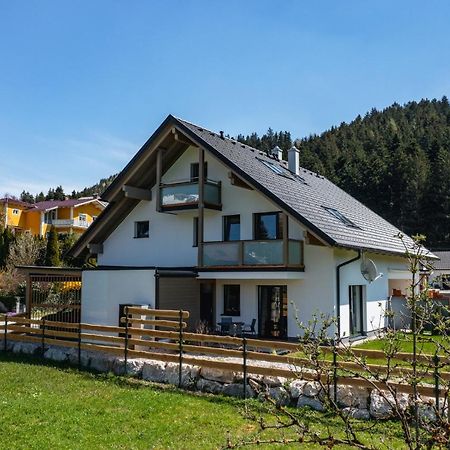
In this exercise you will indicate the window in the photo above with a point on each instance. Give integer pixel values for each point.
(338, 215)
(268, 226)
(94, 217)
(356, 307)
(273, 167)
(49, 216)
(232, 228)
(141, 229)
(15, 212)
(232, 300)
(195, 171)
(82, 218)
(195, 232)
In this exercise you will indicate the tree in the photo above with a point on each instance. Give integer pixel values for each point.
(52, 256)
(6, 239)
(25, 196)
(40, 197)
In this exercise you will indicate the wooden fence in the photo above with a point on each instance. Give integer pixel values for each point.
(160, 335)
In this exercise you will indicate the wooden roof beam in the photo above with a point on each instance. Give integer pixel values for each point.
(179, 137)
(137, 193)
(95, 249)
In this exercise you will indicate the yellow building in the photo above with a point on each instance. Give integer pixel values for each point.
(72, 215)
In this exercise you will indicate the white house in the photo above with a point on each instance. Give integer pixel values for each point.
(201, 222)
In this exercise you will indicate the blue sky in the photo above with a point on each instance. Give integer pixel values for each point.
(84, 83)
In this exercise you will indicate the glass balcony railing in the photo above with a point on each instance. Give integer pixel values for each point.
(185, 195)
(253, 253)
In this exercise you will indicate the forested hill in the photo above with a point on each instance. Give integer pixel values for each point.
(395, 161)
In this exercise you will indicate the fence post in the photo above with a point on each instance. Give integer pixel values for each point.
(43, 337)
(335, 372)
(126, 340)
(436, 380)
(180, 348)
(79, 345)
(244, 360)
(5, 341)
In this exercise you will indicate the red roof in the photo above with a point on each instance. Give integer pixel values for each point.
(52, 204)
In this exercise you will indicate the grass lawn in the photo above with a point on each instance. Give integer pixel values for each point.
(427, 344)
(45, 406)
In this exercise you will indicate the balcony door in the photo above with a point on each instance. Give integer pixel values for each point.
(272, 311)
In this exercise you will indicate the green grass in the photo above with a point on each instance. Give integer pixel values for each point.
(49, 406)
(427, 344)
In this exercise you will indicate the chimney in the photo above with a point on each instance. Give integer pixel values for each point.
(221, 135)
(294, 160)
(277, 152)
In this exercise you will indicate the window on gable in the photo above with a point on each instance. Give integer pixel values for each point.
(15, 212)
(141, 229)
(267, 226)
(232, 228)
(338, 215)
(195, 171)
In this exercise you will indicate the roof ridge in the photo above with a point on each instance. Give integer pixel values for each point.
(262, 152)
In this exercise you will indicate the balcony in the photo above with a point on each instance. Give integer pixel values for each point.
(64, 223)
(186, 194)
(253, 254)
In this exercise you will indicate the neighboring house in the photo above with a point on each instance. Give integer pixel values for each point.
(72, 215)
(441, 270)
(201, 222)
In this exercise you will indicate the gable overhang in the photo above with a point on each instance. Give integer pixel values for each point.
(140, 173)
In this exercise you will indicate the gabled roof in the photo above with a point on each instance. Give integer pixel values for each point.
(308, 197)
(69, 203)
(15, 201)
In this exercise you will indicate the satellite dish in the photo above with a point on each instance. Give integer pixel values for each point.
(369, 270)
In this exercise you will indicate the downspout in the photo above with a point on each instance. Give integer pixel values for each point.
(338, 292)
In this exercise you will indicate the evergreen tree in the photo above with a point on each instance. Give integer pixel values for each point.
(26, 197)
(395, 161)
(40, 197)
(59, 193)
(52, 257)
(6, 239)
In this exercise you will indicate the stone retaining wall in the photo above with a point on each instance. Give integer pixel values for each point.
(360, 403)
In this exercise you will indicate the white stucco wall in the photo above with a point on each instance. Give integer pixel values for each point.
(104, 290)
(312, 292)
(376, 293)
(170, 243)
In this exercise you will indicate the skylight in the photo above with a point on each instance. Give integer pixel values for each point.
(279, 170)
(338, 215)
(273, 167)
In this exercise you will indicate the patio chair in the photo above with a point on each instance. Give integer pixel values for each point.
(250, 329)
(225, 325)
